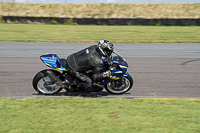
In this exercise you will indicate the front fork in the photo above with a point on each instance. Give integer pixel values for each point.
(120, 81)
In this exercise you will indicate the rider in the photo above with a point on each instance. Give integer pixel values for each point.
(90, 59)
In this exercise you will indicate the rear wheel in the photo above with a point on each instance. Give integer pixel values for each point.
(43, 84)
(115, 88)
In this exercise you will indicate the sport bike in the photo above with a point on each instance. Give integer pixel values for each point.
(52, 81)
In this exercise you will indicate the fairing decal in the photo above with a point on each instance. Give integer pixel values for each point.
(126, 74)
(53, 61)
(99, 85)
(114, 77)
(118, 72)
(123, 66)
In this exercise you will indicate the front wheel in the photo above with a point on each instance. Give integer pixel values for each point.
(43, 84)
(115, 88)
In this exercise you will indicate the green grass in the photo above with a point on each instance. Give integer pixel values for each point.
(90, 33)
(93, 115)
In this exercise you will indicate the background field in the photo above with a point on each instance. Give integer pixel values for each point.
(80, 33)
(118, 115)
(102, 10)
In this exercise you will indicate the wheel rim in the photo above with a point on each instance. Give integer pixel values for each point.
(43, 83)
(119, 89)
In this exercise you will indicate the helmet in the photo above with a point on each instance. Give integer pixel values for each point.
(106, 48)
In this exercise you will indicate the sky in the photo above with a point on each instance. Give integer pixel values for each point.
(103, 1)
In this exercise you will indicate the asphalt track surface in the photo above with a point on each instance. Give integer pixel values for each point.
(158, 70)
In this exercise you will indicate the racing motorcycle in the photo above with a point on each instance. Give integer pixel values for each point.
(52, 81)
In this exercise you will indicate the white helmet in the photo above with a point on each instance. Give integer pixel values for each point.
(106, 48)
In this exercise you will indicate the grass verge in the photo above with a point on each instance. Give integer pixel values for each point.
(56, 115)
(91, 33)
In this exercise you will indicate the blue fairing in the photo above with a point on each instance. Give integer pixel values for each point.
(52, 61)
(126, 74)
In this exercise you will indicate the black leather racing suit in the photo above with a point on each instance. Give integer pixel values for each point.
(86, 59)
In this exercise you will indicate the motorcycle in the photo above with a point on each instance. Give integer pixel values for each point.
(52, 81)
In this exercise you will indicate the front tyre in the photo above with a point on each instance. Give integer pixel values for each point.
(115, 88)
(43, 84)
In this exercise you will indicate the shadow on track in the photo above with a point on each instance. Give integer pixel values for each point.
(80, 94)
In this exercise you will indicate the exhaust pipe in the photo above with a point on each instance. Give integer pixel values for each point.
(54, 78)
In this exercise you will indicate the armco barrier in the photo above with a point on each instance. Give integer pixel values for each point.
(104, 21)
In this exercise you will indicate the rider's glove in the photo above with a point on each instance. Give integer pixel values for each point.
(107, 74)
(112, 69)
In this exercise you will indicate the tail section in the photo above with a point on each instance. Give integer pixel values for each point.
(52, 61)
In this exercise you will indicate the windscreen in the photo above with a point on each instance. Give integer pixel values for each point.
(117, 56)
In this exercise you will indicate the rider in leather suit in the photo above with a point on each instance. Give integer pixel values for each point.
(90, 59)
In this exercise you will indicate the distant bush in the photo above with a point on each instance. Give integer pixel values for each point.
(105, 22)
(1, 19)
(69, 22)
(159, 23)
(53, 22)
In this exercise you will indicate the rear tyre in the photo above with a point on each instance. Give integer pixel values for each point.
(43, 84)
(114, 88)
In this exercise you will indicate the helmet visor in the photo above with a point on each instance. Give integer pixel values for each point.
(109, 53)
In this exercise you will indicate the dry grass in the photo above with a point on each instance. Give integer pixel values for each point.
(102, 10)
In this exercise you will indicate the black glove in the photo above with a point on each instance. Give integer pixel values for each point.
(112, 68)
